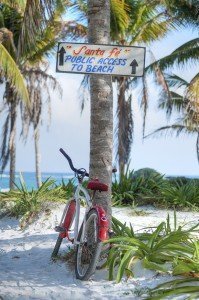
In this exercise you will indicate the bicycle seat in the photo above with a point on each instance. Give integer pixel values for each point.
(96, 185)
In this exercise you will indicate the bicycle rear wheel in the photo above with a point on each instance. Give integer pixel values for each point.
(89, 247)
(65, 225)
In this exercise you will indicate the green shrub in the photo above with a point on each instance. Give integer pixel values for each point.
(137, 190)
(181, 195)
(123, 190)
(181, 180)
(68, 187)
(145, 172)
(27, 204)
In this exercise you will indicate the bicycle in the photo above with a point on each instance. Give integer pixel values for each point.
(94, 229)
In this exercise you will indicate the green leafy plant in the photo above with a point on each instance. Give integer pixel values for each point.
(185, 286)
(68, 187)
(138, 189)
(145, 172)
(27, 204)
(160, 248)
(122, 191)
(182, 195)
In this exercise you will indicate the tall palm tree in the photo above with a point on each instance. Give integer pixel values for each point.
(40, 86)
(141, 23)
(150, 21)
(185, 105)
(28, 21)
(101, 120)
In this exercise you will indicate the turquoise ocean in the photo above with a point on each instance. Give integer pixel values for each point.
(30, 179)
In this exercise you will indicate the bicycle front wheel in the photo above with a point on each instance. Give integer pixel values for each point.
(88, 247)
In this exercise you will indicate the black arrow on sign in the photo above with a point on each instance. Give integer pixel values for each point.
(134, 64)
(61, 52)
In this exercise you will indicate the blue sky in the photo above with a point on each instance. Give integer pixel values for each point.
(70, 130)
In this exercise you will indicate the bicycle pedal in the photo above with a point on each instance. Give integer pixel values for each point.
(60, 229)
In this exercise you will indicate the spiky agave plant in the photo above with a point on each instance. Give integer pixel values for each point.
(182, 195)
(186, 287)
(157, 250)
(27, 203)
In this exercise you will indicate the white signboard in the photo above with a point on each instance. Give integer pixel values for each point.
(100, 59)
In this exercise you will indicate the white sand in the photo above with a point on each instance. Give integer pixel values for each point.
(27, 272)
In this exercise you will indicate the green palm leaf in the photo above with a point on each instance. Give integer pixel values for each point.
(119, 18)
(19, 4)
(188, 52)
(12, 73)
(124, 264)
(169, 130)
(176, 81)
(175, 287)
(36, 16)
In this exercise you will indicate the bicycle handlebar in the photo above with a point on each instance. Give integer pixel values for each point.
(71, 163)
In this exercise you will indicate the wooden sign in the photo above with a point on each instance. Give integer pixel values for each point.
(100, 59)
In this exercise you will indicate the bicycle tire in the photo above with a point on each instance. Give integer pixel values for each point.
(67, 223)
(88, 251)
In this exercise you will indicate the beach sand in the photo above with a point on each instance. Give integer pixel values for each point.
(27, 272)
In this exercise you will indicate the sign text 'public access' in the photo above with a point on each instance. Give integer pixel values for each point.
(100, 59)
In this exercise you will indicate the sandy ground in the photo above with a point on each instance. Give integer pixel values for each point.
(27, 272)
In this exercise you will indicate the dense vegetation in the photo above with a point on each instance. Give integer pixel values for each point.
(135, 188)
(147, 186)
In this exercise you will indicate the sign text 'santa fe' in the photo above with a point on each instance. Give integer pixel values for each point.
(100, 59)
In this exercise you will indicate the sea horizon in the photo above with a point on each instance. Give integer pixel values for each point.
(30, 178)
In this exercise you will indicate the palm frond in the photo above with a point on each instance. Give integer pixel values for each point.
(174, 101)
(187, 53)
(119, 18)
(153, 29)
(38, 81)
(176, 129)
(44, 45)
(19, 5)
(176, 81)
(12, 73)
(36, 16)
(84, 91)
(185, 11)
(177, 103)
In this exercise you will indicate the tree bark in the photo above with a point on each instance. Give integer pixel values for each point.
(197, 147)
(121, 126)
(12, 139)
(37, 157)
(101, 120)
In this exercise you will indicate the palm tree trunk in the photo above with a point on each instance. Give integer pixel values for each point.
(197, 147)
(121, 125)
(101, 120)
(37, 156)
(12, 139)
